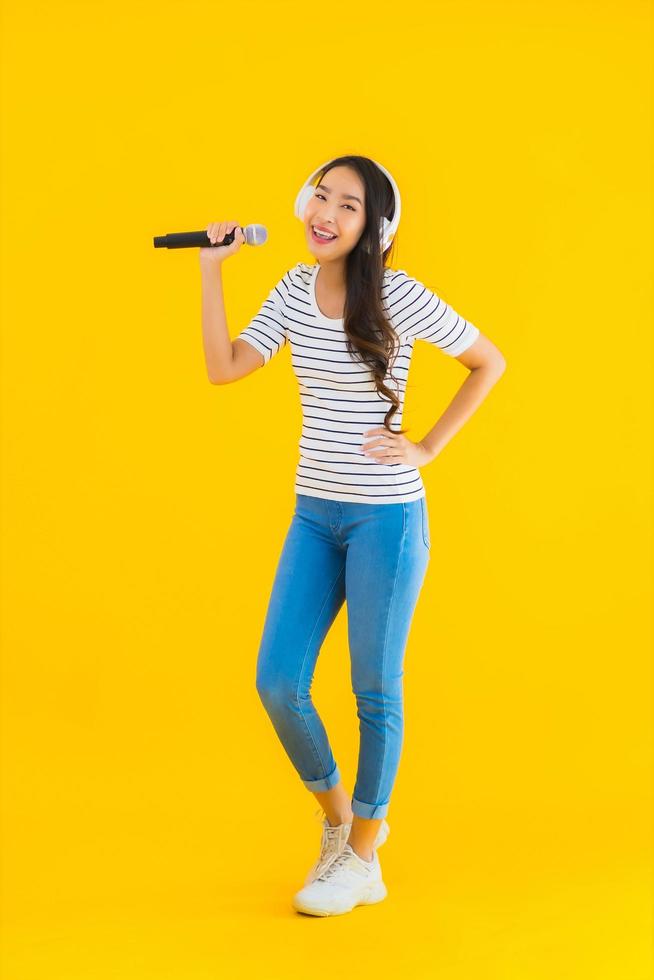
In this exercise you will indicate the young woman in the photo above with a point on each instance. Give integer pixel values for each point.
(360, 530)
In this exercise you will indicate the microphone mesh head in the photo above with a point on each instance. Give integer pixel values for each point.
(255, 234)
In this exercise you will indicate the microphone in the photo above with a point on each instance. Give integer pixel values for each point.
(254, 235)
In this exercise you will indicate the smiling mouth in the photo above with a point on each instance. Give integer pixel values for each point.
(319, 237)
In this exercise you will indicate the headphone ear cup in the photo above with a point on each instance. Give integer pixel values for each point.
(303, 199)
(384, 225)
(383, 232)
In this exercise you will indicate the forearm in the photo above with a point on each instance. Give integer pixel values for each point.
(215, 335)
(466, 401)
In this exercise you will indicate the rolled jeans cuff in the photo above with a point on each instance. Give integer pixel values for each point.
(319, 785)
(372, 811)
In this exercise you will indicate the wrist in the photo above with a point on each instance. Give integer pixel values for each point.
(210, 266)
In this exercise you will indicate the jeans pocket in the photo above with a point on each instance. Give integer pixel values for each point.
(425, 522)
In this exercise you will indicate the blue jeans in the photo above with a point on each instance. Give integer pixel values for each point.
(375, 556)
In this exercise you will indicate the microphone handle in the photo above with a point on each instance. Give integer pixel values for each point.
(191, 239)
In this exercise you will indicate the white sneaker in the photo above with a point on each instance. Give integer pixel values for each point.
(346, 882)
(334, 840)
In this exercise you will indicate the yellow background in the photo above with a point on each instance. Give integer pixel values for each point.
(152, 823)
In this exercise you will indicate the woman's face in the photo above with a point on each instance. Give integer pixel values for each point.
(338, 206)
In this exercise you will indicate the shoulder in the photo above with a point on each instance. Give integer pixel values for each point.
(296, 277)
(301, 273)
(395, 279)
(398, 284)
(397, 276)
(408, 300)
(401, 285)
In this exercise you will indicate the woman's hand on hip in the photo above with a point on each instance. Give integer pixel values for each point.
(392, 447)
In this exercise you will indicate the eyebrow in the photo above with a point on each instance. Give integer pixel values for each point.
(346, 197)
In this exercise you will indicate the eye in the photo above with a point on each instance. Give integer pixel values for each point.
(318, 194)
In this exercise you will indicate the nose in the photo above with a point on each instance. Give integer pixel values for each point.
(326, 219)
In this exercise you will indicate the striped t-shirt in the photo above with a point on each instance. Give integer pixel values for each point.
(338, 394)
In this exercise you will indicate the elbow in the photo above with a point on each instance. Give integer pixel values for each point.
(493, 368)
(497, 365)
(497, 371)
(217, 379)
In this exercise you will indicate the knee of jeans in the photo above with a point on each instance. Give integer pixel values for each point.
(376, 690)
(275, 692)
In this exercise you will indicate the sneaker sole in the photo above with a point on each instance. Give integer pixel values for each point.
(376, 893)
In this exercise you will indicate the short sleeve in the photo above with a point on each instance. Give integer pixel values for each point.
(267, 331)
(418, 312)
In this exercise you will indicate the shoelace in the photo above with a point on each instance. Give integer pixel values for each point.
(340, 862)
(331, 839)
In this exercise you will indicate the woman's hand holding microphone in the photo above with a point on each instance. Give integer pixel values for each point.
(210, 257)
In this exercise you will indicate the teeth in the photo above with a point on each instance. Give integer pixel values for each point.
(322, 234)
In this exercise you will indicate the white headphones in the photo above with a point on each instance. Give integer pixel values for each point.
(387, 228)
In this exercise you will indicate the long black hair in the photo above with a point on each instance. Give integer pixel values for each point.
(370, 334)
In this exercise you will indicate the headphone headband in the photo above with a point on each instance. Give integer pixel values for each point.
(387, 228)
